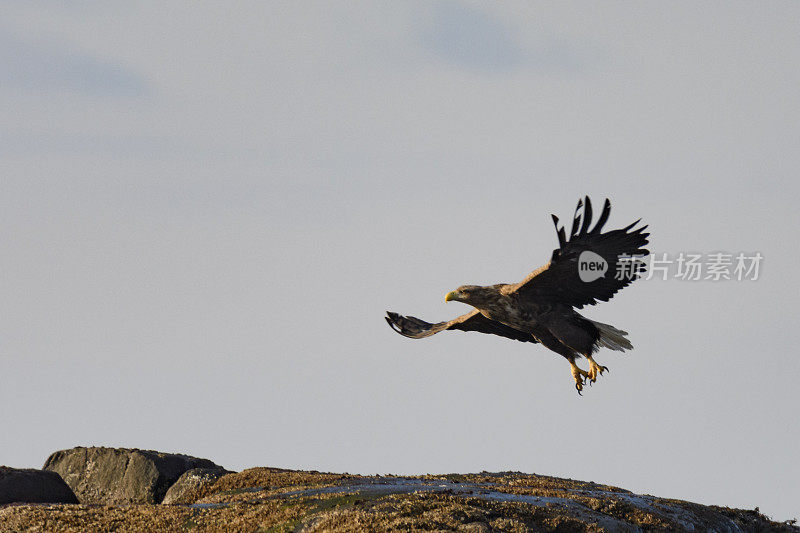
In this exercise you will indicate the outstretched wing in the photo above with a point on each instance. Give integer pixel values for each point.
(560, 279)
(414, 328)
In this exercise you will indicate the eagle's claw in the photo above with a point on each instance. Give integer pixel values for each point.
(578, 375)
(595, 369)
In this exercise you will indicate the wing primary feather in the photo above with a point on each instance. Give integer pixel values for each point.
(629, 226)
(587, 216)
(603, 217)
(562, 238)
(574, 231)
(576, 218)
(391, 324)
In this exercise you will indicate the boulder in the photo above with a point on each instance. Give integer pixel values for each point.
(115, 476)
(28, 485)
(181, 491)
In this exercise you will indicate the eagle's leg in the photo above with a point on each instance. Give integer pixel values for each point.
(595, 369)
(578, 374)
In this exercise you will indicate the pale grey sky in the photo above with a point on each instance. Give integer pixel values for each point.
(205, 211)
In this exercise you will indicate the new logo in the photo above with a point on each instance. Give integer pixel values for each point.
(591, 266)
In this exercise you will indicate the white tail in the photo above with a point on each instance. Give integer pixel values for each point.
(611, 337)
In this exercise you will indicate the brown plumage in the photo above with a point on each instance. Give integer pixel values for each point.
(541, 307)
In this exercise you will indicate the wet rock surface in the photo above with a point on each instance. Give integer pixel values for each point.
(121, 475)
(273, 499)
(33, 486)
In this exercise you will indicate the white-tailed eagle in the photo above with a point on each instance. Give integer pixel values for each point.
(587, 267)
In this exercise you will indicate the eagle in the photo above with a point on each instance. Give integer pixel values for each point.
(588, 267)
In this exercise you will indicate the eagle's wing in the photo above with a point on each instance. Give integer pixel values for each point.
(413, 327)
(559, 280)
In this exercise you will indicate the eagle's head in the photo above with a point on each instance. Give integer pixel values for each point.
(473, 295)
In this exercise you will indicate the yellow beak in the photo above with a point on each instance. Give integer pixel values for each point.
(450, 296)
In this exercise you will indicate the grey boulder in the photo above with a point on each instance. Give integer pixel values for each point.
(115, 476)
(28, 485)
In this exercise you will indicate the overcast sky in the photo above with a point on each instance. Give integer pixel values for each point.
(205, 211)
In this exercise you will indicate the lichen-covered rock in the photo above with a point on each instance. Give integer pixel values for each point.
(274, 499)
(186, 485)
(29, 485)
(121, 475)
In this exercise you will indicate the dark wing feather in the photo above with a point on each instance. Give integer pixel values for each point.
(413, 327)
(558, 281)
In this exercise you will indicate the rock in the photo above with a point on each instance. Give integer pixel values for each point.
(121, 475)
(276, 499)
(29, 485)
(190, 480)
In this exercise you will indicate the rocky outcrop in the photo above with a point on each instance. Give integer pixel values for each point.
(121, 475)
(33, 486)
(275, 499)
(190, 482)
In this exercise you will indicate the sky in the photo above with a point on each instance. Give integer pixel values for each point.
(206, 210)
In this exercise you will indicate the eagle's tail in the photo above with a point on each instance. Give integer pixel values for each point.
(611, 337)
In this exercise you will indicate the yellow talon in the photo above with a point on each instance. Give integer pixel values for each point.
(595, 369)
(578, 374)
